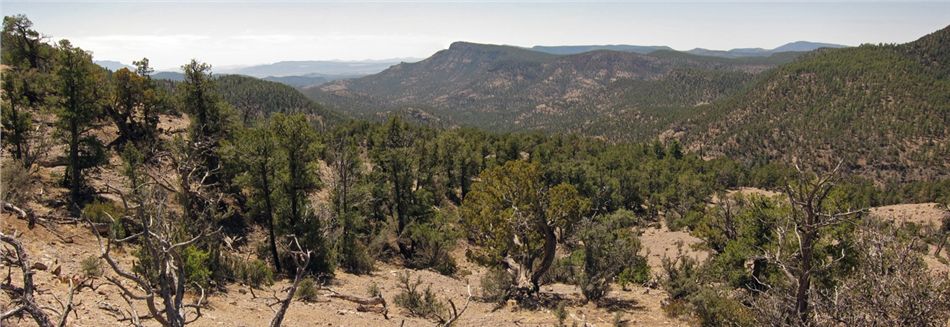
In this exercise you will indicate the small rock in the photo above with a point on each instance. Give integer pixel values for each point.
(39, 266)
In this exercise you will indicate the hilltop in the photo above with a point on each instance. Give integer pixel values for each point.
(505, 88)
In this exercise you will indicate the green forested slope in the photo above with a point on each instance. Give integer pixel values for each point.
(254, 98)
(883, 109)
(617, 95)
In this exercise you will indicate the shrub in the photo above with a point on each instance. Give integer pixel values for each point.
(680, 277)
(354, 256)
(560, 312)
(420, 303)
(618, 320)
(716, 309)
(373, 290)
(306, 290)
(100, 212)
(497, 285)
(196, 265)
(432, 243)
(566, 269)
(17, 182)
(253, 272)
(91, 267)
(610, 249)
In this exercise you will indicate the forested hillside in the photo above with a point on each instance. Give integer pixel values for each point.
(882, 109)
(254, 99)
(506, 88)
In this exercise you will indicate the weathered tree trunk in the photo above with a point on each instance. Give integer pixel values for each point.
(269, 207)
(547, 258)
(804, 278)
(75, 173)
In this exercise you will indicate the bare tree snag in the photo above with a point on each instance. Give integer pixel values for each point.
(809, 217)
(24, 296)
(302, 260)
(455, 313)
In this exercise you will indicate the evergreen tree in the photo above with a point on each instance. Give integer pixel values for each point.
(79, 85)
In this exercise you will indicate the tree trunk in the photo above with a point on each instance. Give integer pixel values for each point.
(804, 278)
(74, 171)
(269, 207)
(550, 247)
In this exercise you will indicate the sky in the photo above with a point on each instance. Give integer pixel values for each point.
(245, 32)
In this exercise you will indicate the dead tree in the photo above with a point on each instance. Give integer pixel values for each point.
(23, 296)
(302, 260)
(943, 233)
(808, 219)
(162, 281)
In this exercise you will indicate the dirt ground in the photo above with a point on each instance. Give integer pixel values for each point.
(242, 306)
(919, 213)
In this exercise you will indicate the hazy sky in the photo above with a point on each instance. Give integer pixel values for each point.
(251, 32)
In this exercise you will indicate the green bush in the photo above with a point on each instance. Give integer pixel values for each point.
(306, 290)
(420, 303)
(610, 249)
(497, 285)
(373, 290)
(106, 212)
(680, 277)
(432, 243)
(91, 267)
(253, 272)
(715, 309)
(355, 257)
(196, 263)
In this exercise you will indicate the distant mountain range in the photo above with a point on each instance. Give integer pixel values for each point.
(882, 109)
(575, 49)
(799, 46)
(318, 67)
(293, 73)
(504, 88)
(112, 65)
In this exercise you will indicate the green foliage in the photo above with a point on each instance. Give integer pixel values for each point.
(819, 107)
(713, 308)
(255, 99)
(512, 202)
(79, 83)
(433, 242)
(307, 290)
(373, 290)
(420, 303)
(28, 83)
(108, 213)
(622, 96)
(497, 285)
(196, 265)
(560, 313)
(91, 267)
(354, 255)
(610, 249)
(252, 272)
(135, 104)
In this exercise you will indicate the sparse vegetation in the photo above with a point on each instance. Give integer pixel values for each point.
(419, 302)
